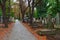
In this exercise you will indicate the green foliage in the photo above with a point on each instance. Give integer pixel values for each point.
(47, 7)
(0, 12)
(41, 9)
(52, 7)
(58, 5)
(12, 14)
(35, 14)
(0, 1)
(7, 7)
(8, 11)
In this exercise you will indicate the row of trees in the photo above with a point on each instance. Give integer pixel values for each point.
(5, 7)
(44, 8)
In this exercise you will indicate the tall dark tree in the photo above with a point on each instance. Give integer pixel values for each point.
(31, 16)
(21, 4)
(3, 6)
(29, 6)
(31, 10)
(9, 7)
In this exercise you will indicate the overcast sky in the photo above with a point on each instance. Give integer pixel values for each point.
(14, 0)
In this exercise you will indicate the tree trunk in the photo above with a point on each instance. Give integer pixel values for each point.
(21, 8)
(31, 16)
(3, 6)
(19, 15)
(29, 11)
(22, 15)
(9, 11)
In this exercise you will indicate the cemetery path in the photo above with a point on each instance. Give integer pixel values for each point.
(19, 32)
